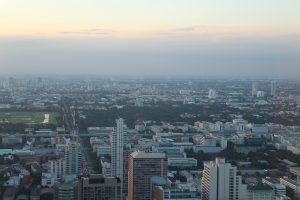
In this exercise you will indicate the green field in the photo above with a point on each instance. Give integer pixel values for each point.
(28, 117)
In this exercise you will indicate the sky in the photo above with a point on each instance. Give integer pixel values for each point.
(157, 37)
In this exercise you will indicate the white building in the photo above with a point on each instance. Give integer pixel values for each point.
(212, 94)
(259, 129)
(106, 168)
(102, 149)
(73, 158)
(220, 182)
(254, 88)
(260, 192)
(5, 151)
(117, 149)
(273, 88)
(48, 179)
(182, 162)
(171, 152)
(260, 94)
(57, 167)
(13, 181)
(11, 140)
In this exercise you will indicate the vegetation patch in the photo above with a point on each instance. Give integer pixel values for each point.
(29, 117)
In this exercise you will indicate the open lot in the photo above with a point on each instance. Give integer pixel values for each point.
(28, 117)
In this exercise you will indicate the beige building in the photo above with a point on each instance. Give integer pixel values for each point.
(220, 182)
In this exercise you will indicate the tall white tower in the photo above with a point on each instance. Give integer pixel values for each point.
(273, 88)
(220, 182)
(254, 88)
(117, 149)
(73, 158)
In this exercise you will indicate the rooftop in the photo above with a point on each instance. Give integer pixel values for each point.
(260, 186)
(141, 154)
(295, 170)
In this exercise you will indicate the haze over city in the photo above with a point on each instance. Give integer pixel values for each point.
(149, 100)
(139, 37)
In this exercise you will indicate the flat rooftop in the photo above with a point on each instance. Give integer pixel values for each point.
(295, 170)
(141, 154)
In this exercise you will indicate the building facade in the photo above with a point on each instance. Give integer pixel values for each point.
(261, 192)
(73, 158)
(143, 166)
(117, 149)
(220, 182)
(98, 187)
(57, 167)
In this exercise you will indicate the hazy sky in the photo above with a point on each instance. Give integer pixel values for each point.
(154, 37)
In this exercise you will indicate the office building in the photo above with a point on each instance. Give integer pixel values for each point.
(254, 89)
(73, 158)
(98, 187)
(126, 152)
(220, 182)
(143, 166)
(117, 149)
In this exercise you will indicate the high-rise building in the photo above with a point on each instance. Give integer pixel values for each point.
(98, 187)
(220, 182)
(212, 94)
(118, 137)
(273, 88)
(73, 158)
(126, 153)
(143, 166)
(254, 88)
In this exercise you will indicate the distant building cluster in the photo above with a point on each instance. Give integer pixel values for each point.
(234, 153)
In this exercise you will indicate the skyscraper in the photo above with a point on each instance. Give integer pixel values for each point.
(73, 158)
(143, 166)
(117, 149)
(273, 88)
(98, 187)
(220, 182)
(254, 88)
(126, 153)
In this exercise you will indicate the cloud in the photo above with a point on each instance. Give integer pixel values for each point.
(91, 31)
(188, 28)
(201, 32)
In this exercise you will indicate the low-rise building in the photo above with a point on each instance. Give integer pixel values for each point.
(260, 192)
(182, 162)
(48, 179)
(98, 187)
(289, 183)
(162, 190)
(280, 190)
